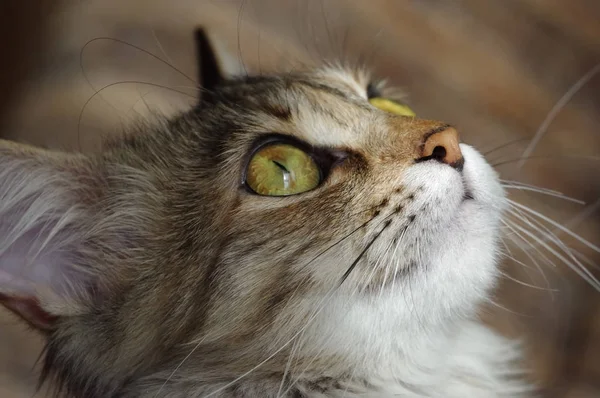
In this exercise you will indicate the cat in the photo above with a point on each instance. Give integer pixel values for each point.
(293, 235)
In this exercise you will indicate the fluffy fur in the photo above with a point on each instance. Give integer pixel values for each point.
(164, 277)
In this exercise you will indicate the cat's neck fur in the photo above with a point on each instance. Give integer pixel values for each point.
(463, 360)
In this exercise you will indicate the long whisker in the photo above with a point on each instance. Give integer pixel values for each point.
(504, 145)
(156, 57)
(395, 257)
(556, 225)
(507, 310)
(583, 214)
(562, 102)
(588, 261)
(79, 120)
(164, 53)
(179, 366)
(549, 235)
(529, 187)
(509, 252)
(520, 282)
(295, 346)
(386, 265)
(578, 157)
(544, 192)
(532, 258)
(386, 224)
(296, 379)
(520, 183)
(579, 269)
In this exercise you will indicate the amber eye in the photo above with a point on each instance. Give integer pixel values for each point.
(391, 106)
(281, 170)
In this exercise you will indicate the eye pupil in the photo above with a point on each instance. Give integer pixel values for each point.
(282, 167)
(287, 177)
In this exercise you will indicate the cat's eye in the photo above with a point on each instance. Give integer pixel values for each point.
(391, 106)
(281, 169)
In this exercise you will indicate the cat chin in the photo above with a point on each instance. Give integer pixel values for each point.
(421, 327)
(448, 252)
(450, 261)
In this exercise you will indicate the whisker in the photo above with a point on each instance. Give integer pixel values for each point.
(80, 118)
(520, 282)
(534, 188)
(549, 235)
(507, 310)
(239, 42)
(387, 267)
(581, 271)
(510, 254)
(532, 258)
(586, 260)
(164, 53)
(579, 218)
(179, 366)
(536, 226)
(520, 183)
(509, 143)
(394, 256)
(543, 192)
(123, 42)
(578, 157)
(556, 224)
(386, 224)
(562, 102)
(280, 392)
(293, 382)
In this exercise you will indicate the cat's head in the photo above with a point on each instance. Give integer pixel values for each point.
(303, 213)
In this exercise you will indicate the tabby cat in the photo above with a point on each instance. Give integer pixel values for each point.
(294, 235)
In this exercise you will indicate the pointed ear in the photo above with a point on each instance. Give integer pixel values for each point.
(215, 64)
(46, 206)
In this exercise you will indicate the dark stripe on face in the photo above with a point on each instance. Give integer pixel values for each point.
(327, 89)
(361, 103)
(280, 111)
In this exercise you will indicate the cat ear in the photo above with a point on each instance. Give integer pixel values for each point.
(215, 63)
(46, 203)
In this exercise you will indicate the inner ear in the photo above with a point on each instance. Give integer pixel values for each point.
(30, 310)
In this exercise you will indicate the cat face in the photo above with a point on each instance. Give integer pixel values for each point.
(175, 261)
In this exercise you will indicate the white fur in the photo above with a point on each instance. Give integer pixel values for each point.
(421, 337)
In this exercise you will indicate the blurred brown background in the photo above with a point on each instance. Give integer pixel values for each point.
(495, 69)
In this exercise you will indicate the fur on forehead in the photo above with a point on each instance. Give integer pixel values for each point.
(353, 79)
(317, 105)
(359, 80)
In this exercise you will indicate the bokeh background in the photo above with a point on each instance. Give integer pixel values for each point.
(495, 69)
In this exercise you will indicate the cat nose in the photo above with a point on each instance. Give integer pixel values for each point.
(443, 146)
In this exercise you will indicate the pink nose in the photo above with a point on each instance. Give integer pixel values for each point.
(443, 147)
